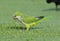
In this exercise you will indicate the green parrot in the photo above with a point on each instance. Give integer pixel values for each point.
(28, 21)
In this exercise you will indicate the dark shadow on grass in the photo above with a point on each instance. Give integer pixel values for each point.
(52, 9)
(22, 28)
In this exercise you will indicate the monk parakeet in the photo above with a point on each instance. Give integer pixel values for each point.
(28, 21)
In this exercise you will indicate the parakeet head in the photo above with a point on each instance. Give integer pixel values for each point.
(17, 14)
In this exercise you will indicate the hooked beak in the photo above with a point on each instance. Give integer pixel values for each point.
(14, 17)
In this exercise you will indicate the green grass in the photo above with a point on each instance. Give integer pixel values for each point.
(48, 30)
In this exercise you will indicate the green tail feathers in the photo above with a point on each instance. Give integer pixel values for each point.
(40, 20)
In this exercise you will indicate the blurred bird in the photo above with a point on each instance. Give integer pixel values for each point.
(28, 21)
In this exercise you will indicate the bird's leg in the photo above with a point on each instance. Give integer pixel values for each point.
(27, 26)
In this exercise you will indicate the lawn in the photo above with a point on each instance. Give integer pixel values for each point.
(10, 30)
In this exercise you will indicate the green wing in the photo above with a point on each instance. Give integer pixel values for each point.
(29, 19)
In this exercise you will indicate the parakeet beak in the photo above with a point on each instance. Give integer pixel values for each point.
(14, 17)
